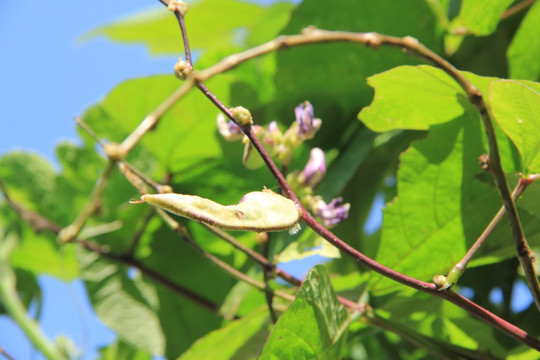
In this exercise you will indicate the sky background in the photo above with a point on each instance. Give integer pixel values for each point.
(46, 78)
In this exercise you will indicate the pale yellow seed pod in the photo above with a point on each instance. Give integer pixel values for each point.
(259, 211)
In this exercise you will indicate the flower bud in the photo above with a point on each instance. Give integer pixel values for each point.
(182, 69)
(315, 168)
(177, 5)
(242, 116)
(307, 124)
(228, 129)
(332, 213)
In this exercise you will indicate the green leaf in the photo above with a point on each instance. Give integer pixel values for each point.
(411, 97)
(158, 29)
(481, 17)
(119, 350)
(442, 207)
(182, 321)
(314, 325)
(524, 51)
(516, 108)
(308, 244)
(441, 325)
(227, 342)
(178, 135)
(41, 255)
(29, 179)
(121, 303)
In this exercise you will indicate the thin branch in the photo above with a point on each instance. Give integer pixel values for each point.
(268, 275)
(459, 268)
(491, 318)
(35, 220)
(433, 346)
(517, 8)
(5, 353)
(70, 232)
(180, 18)
(136, 177)
(151, 120)
(181, 231)
(351, 305)
(40, 223)
(129, 260)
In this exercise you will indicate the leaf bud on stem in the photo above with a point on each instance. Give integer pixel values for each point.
(178, 6)
(242, 116)
(182, 69)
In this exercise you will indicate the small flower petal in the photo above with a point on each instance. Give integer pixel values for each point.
(228, 129)
(332, 213)
(307, 124)
(315, 168)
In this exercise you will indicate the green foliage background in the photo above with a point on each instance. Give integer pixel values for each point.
(385, 116)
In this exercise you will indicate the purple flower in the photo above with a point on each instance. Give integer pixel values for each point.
(307, 124)
(228, 129)
(332, 213)
(315, 168)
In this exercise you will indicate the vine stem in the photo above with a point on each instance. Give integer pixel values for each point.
(9, 298)
(6, 354)
(517, 8)
(70, 232)
(180, 231)
(459, 268)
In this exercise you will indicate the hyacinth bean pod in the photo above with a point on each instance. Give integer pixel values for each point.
(258, 211)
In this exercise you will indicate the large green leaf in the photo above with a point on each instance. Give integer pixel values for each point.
(524, 52)
(40, 254)
(441, 208)
(149, 316)
(313, 327)
(411, 97)
(119, 350)
(184, 133)
(29, 179)
(516, 108)
(158, 29)
(481, 17)
(183, 321)
(31, 182)
(231, 341)
(126, 306)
